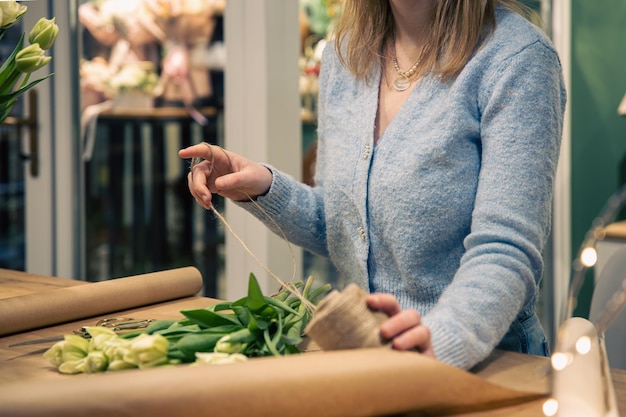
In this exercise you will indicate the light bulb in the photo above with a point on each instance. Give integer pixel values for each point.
(583, 345)
(589, 257)
(550, 407)
(560, 360)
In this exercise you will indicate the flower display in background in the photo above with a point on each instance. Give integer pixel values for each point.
(317, 20)
(138, 76)
(16, 70)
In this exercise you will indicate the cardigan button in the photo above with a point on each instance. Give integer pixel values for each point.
(361, 233)
(366, 152)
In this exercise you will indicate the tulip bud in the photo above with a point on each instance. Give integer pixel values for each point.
(119, 364)
(71, 348)
(100, 335)
(69, 354)
(31, 58)
(219, 358)
(73, 367)
(95, 362)
(74, 348)
(44, 33)
(224, 345)
(150, 350)
(10, 12)
(55, 353)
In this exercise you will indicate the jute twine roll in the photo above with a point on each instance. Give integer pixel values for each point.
(343, 320)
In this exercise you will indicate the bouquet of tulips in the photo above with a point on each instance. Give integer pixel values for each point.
(23, 61)
(255, 325)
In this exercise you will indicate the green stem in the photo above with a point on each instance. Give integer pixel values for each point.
(25, 81)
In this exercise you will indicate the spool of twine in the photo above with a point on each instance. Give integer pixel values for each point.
(343, 320)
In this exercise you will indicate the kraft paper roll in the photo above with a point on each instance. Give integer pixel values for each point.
(27, 312)
(361, 382)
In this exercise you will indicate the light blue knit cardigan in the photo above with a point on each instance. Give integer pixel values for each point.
(451, 208)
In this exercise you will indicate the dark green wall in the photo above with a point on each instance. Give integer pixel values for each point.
(598, 83)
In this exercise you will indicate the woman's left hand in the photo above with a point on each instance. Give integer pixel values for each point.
(403, 327)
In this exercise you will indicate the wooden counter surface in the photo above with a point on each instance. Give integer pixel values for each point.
(25, 363)
(16, 283)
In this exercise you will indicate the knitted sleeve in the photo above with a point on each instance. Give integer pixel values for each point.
(522, 103)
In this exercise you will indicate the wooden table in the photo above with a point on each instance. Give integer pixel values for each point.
(512, 370)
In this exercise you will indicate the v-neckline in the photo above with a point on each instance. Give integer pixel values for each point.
(384, 121)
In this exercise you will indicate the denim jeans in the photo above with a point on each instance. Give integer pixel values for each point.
(526, 335)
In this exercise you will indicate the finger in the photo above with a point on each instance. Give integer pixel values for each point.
(200, 150)
(386, 303)
(399, 323)
(417, 337)
(197, 183)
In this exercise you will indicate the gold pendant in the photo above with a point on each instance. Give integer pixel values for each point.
(401, 83)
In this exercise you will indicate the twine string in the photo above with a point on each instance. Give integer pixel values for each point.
(291, 288)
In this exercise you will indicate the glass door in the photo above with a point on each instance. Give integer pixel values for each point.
(26, 170)
(110, 193)
(151, 82)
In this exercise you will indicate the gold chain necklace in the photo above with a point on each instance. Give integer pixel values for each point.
(403, 82)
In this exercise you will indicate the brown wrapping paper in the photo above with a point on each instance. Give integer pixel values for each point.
(26, 312)
(363, 382)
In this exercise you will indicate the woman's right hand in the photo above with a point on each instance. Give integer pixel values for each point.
(225, 173)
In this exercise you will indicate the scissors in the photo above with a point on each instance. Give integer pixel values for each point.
(119, 325)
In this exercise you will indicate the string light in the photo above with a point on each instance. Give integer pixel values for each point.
(583, 345)
(560, 360)
(589, 257)
(550, 407)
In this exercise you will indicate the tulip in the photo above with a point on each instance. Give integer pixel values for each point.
(55, 353)
(44, 33)
(10, 12)
(119, 365)
(119, 352)
(150, 350)
(72, 367)
(100, 335)
(95, 362)
(31, 58)
(219, 358)
(225, 345)
(71, 349)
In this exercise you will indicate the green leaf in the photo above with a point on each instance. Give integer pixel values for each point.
(279, 331)
(182, 356)
(178, 330)
(270, 343)
(158, 325)
(241, 302)
(226, 305)
(279, 304)
(206, 318)
(256, 300)
(256, 323)
(17, 93)
(241, 336)
(307, 286)
(243, 314)
(198, 342)
(293, 336)
(291, 349)
(316, 293)
(8, 65)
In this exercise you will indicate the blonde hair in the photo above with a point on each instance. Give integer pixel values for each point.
(457, 27)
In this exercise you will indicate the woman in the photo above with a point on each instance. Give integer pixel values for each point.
(439, 134)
